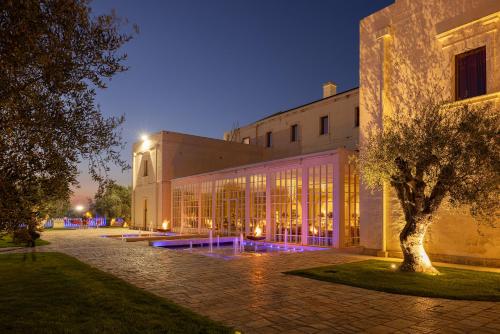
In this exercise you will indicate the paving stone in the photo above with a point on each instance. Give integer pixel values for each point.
(253, 295)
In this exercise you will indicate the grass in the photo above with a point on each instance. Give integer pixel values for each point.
(56, 293)
(6, 241)
(378, 275)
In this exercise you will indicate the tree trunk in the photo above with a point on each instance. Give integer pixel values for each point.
(412, 244)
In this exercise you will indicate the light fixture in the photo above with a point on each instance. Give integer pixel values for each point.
(144, 137)
(79, 208)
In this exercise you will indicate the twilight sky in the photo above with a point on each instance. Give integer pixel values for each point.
(198, 66)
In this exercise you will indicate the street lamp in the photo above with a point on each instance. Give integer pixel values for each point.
(79, 208)
(146, 143)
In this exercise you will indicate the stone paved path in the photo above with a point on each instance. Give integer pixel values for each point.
(254, 296)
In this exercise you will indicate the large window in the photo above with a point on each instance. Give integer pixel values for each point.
(351, 205)
(323, 125)
(230, 206)
(190, 207)
(286, 209)
(320, 205)
(257, 217)
(470, 74)
(206, 205)
(185, 206)
(176, 208)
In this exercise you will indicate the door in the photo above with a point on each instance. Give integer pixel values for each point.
(232, 221)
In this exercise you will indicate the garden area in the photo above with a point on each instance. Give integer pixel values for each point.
(56, 293)
(7, 241)
(452, 283)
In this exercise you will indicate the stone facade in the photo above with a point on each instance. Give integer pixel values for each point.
(407, 51)
(343, 130)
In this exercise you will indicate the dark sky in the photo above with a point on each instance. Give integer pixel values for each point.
(198, 66)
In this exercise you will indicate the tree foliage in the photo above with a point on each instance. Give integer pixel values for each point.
(54, 54)
(436, 152)
(113, 202)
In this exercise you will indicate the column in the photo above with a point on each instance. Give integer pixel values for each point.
(182, 208)
(339, 160)
(247, 205)
(214, 202)
(305, 208)
(268, 207)
(198, 188)
(385, 38)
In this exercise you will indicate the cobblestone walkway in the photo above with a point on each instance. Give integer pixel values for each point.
(254, 296)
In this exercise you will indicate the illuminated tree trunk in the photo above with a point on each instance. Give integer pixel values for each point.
(412, 236)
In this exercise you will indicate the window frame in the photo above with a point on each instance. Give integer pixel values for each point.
(458, 61)
(269, 139)
(294, 133)
(322, 126)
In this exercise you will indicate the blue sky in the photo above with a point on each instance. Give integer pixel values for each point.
(198, 66)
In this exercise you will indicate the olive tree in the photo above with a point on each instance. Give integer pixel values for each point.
(431, 154)
(54, 55)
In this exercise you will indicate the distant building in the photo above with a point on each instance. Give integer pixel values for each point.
(289, 175)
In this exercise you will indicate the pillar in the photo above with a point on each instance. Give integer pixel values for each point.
(303, 203)
(339, 160)
(247, 205)
(268, 207)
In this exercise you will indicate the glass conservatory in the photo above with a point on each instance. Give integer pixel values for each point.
(309, 200)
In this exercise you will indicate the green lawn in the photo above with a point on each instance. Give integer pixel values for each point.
(55, 293)
(378, 275)
(6, 241)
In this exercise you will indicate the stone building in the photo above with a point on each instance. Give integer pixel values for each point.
(410, 50)
(260, 177)
(289, 176)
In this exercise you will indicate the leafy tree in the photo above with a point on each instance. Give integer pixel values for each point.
(114, 202)
(438, 152)
(54, 54)
(58, 208)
